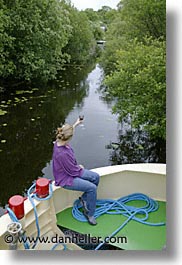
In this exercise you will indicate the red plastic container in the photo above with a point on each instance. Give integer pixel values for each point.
(42, 187)
(16, 204)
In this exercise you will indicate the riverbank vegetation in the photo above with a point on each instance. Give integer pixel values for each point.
(39, 37)
(134, 64)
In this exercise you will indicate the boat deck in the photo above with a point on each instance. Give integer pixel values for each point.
(133, 236)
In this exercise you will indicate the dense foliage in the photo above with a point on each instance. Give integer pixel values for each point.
(38, 31)
(134, 63)
(81, 42)
(37, 37)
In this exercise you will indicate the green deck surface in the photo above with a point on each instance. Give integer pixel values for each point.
(137, 235)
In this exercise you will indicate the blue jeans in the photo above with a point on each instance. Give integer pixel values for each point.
(87, 183)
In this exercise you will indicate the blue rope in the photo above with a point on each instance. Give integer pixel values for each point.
(56, 245)
(32, 196)
(120, 207)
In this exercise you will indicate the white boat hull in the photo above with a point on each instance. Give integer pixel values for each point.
(115, 182)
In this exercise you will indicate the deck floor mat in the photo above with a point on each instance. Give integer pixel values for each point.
(134, 236)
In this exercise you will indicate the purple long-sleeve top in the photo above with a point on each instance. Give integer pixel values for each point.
(65, 167)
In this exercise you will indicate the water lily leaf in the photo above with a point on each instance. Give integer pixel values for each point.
(17, 100)
(32, 119)
(4, 124)
(3, 141)
(24, 98)
(50, 91)
(2, 112)
(19, 92)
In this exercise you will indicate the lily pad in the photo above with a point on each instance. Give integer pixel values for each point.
(17, 100)
(19, 92)
(32, 119)
(3, 106)
(3, 141)
(2, 112)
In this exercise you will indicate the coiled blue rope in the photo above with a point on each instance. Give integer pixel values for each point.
(120, 207)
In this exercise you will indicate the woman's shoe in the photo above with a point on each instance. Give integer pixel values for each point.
(91, 220)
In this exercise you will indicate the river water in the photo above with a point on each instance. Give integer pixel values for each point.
(29, 118)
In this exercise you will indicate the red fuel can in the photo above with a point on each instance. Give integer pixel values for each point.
(16, 204)
(42, 187)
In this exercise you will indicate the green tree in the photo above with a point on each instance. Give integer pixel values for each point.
(107, 15)
(114, 40)
(6, 66)
(95, 23)
(37, 32)
(81, 42)
(139, 85)
(143, 18)
(134, 62)
(134, 19)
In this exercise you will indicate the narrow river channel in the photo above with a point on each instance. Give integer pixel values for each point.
(100, 126)
(31, 117)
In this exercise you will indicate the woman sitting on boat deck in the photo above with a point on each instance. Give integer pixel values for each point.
(69, 175)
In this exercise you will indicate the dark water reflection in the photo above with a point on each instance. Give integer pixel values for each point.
(27, 130)
(135, 146)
